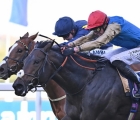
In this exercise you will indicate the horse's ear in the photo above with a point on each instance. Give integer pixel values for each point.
(52, 42)
(33, 36)
(26, 35)
(48, 46)
(36, 44)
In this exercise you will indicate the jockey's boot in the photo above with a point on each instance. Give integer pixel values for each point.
(129, 73)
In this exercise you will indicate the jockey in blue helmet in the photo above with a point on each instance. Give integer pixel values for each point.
(68, 29)
(64, 27)
(118, 31)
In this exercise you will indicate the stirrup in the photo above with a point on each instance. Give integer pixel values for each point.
(135, 96)
(134, 92)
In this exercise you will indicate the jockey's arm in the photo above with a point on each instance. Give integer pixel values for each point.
(111, 31)
(82, 39)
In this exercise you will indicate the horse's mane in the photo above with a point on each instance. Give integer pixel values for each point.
(41, 44)
(57, 49)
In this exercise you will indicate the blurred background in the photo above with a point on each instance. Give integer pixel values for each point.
(20, 16)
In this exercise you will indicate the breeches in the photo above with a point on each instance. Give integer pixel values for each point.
(131, 56)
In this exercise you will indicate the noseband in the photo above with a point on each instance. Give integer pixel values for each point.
(46, 59)
(18, 62)
(37, 74)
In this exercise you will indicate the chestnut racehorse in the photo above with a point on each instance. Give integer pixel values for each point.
(13, 62)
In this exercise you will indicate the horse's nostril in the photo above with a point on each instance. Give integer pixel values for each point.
(18, 87)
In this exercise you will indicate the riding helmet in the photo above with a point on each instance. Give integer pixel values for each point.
(96, 19)
(63, 26)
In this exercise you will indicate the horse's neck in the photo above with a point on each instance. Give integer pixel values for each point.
(72, 77)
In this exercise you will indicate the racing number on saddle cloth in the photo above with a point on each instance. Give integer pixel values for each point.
(98, 52)
(135, 54)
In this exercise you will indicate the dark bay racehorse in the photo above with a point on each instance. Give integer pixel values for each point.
(93, 87)
(13, 62)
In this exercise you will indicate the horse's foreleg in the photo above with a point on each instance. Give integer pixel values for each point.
(60, 115)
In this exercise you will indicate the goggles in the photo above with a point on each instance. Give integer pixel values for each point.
(97, 29)
(97, 32)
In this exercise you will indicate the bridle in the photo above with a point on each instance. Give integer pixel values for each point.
(36, 76)
(18, 62)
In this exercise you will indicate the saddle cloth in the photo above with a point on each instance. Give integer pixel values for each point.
(126, 83)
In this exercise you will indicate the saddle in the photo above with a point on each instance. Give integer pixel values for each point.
(129, 87)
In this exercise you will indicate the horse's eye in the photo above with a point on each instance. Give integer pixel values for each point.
(19, 50)
(36, 62)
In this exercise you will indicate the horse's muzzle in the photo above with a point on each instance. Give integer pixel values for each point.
(19, 88)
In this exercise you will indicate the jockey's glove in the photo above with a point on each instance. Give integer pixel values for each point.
(68, 51)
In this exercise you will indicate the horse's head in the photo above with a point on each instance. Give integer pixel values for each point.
(13, 62)
(45, 62)
(29, 76)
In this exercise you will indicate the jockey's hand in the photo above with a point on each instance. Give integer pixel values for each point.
(64, 47)
(68, 51)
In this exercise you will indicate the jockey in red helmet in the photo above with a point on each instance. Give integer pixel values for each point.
(68, 29)
(96, 19)
(117, 31)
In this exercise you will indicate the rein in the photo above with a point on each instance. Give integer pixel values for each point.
(62, 65)
(84, 60)
(18, 62)
(50, 39)
(88, 60)
(57, 69)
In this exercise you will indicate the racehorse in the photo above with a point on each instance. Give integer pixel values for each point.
(13, 62)
(93, 87)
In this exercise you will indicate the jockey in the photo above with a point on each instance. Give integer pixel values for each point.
(68, 29)
(117, 31)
